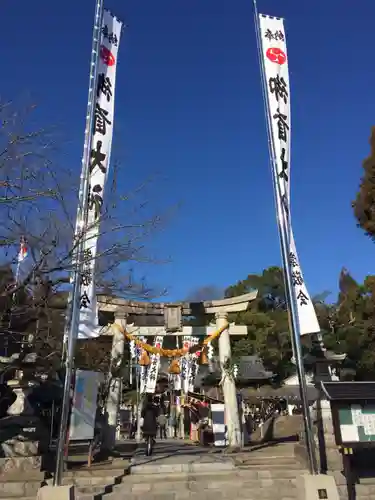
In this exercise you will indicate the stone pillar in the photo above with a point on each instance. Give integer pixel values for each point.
(114, 393)
(330, 459)
(228, 384)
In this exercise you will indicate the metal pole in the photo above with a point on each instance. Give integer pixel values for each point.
(74, 309)
(284, 236)
(139, 413)
(296, 343)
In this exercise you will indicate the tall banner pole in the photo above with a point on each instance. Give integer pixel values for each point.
(84, 179)
(74, 306)
(271, 42)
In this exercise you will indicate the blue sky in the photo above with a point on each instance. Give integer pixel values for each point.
(189, 107)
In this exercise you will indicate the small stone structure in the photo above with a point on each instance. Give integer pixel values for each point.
(23, 437)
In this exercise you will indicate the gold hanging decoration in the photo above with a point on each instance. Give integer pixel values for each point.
(174, 367)
(144, 359)
(170, 353)
(203, 357)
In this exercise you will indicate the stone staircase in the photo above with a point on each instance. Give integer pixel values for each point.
(265, 472)
(210, 485)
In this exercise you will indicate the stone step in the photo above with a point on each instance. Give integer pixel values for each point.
(25, 498)
(202, 476)
(19, 489)
(173, 468)
(94, 472)
(92, 480)
(276, 467)
(255, 494)
(204, 486)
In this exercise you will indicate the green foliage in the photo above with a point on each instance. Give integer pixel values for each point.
(348, 325)
(267, 321)
(364, 204)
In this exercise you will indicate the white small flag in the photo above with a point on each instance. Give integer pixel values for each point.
(23, 253)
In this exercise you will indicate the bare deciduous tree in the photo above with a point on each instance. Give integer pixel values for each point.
(38, 202)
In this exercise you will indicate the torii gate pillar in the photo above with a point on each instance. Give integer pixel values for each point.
(229, 387)
(115, 383)
(221, 309)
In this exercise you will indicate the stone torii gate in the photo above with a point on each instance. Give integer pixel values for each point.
(167, 320)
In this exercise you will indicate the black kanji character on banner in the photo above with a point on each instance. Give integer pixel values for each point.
(86, 277)
(97, 158)
(268, 35)
(105, 31)
(297, 278)
(293, 259)
(285, 203)
(96, 200)
(153, 373)
(277, 35)
(104, 86)
(111, 37)
(284, 166)
(84, 301)
(100, 120)
(87, 254)
(281, 125)
(303, 299)
(278, 87)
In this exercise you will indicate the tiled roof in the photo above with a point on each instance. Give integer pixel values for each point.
(349, 390)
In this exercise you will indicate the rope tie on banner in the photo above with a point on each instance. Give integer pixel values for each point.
(170, 353)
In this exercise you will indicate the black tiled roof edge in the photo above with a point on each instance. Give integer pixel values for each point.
(336, 391)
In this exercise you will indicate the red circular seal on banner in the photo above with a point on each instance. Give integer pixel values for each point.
(107, 57)
(276, 55)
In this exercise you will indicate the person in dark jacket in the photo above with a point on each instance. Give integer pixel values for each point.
(149, 415)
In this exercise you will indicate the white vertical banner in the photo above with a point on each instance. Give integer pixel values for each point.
(142, 369)
(277, 89)
(184, 364)
(153, 369)
(101, 142)
(193, 365)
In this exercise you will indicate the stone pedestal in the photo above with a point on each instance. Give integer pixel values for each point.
(22, 435)
(20, 431)
(15, 467)
(313, 487)
(19, 446)
(56, 493)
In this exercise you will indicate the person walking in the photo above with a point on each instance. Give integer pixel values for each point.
(149, 428)
(162, 421)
